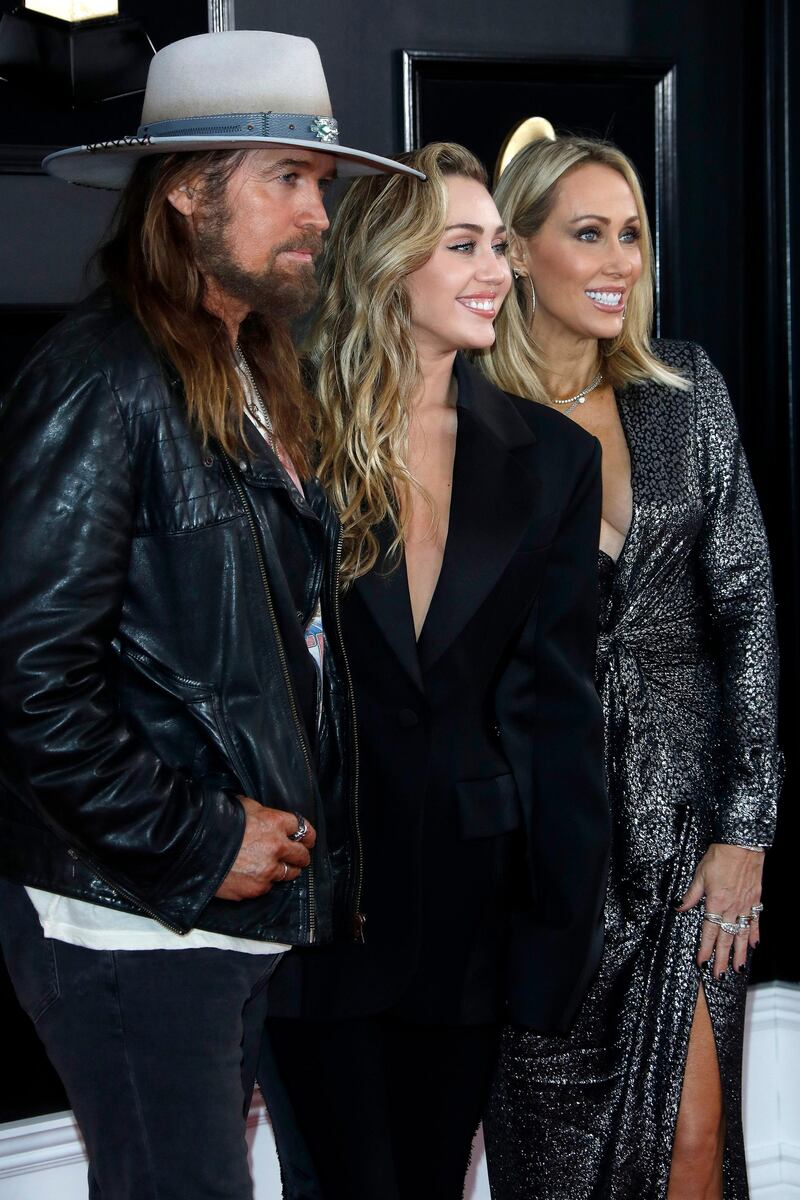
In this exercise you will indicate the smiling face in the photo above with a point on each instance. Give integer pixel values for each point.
(585, 258)
(258, 240)
(457, 294)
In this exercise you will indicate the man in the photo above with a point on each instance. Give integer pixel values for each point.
(176, 801)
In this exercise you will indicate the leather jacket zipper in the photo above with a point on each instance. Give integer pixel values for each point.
(359, 918)
(230, 470)
(124, 893)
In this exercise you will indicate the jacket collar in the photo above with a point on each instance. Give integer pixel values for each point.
(494, 495)
(384, 590)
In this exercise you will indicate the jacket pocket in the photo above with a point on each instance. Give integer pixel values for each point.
(200, 701)
(488, 807)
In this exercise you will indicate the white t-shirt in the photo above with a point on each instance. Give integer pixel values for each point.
(99, 928)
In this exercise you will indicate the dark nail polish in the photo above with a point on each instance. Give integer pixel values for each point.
(742, 968)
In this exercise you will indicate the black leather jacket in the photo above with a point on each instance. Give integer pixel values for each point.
(153, 597)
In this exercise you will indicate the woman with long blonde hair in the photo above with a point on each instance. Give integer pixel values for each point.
(642, 1099)
(470, 525)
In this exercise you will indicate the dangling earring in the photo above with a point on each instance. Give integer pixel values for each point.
(519, 275)
(624, 314)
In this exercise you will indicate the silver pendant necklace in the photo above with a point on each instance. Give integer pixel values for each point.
(254, 402)
(580, 397)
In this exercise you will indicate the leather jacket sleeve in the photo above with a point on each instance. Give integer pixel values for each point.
(67, 508)
(552, 730)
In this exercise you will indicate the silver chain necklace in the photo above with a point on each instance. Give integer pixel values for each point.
(579, 397)
(254, 402)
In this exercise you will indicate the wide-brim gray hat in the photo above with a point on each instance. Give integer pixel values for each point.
(238, 90)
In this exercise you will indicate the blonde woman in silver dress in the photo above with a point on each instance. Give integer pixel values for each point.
(642, 1099)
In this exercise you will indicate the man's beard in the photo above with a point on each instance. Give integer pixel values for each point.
(272, 293)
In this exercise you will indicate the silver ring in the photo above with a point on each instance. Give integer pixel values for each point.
(301, 831)
(714, 918)
(731, 927)
(285, 872)
(756, 911)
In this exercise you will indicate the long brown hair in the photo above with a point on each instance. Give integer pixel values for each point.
(363, 347)
(150, 263)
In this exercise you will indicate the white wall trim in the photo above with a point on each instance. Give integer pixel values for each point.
(772, 1091)
(772, 1123)
(39, 1144)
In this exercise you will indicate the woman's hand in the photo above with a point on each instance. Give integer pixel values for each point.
(729, 877)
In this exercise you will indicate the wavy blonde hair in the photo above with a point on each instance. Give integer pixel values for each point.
(362, 345)
(525, 196)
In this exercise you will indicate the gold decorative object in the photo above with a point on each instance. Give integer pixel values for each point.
(519, 136)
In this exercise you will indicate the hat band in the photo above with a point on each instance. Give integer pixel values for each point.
(292, 126)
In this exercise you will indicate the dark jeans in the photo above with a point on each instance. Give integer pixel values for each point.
(157, 1050)
(388, 1108)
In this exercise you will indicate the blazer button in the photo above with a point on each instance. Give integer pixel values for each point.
(407, 718)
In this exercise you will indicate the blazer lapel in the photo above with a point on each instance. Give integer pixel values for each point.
(385, 593)
(494, 496)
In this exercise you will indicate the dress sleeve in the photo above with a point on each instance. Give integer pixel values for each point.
(735, 565)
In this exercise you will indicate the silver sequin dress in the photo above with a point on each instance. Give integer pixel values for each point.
(687, 672)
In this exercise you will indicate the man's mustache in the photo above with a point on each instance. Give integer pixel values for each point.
(312, 245)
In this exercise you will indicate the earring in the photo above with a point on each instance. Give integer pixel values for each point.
(624, 314)
(519, 275)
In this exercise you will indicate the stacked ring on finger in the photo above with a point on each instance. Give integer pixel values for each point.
(730, 927)
(301, 831)
(756, 911)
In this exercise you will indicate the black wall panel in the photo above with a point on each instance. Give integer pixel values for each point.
(729, 282)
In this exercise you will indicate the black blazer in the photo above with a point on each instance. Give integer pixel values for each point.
(490, 725)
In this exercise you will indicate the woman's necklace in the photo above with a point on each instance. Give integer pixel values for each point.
(254, 402)
(579, 397)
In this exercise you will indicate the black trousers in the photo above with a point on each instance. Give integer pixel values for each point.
(387, 1108)
(157, 1050)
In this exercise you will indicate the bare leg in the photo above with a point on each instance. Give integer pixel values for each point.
(700, 1132)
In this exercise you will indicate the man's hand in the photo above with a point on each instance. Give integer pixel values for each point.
(264, 851)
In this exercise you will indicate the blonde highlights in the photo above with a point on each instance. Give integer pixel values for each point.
(525, 196)
(362, 344)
